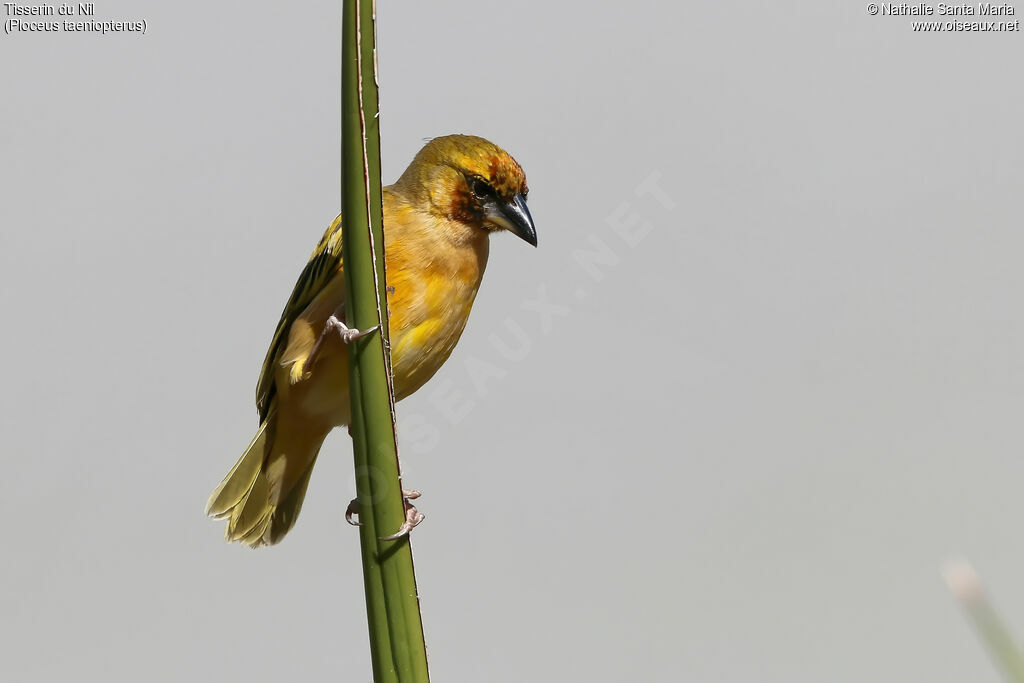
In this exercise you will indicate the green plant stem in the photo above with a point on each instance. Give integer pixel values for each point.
(996, 636)
(397, 647)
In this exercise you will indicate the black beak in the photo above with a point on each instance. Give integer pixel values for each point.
(515, 217)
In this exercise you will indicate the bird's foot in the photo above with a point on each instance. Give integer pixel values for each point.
(347, 334)
(412, 516)
(351, 511)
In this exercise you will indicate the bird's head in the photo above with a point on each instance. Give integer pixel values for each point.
(472, 183)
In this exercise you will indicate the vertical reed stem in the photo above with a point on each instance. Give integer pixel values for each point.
(397, 647)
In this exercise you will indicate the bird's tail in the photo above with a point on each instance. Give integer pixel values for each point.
(262, 494)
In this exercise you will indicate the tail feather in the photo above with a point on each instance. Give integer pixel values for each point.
(239, 481)
(262, 494)
(252, 513)
(288, 509)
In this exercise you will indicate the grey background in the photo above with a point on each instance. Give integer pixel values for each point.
(742, 453)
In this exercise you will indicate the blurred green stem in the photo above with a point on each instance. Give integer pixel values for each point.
(997, 637)
(966, 586)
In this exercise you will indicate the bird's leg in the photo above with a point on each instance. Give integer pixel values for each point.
(347, 334)
(412, 516)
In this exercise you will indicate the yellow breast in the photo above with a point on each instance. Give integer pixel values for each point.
(433, 273)
(432, 284)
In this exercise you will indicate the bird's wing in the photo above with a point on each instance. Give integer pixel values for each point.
(323, 265)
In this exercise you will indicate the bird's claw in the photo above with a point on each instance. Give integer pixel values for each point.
(347, 334)
(412, 516)
(351, 511)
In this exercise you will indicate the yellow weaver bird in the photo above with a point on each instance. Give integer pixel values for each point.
(438, 219)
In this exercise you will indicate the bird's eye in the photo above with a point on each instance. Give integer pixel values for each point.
(481, 189)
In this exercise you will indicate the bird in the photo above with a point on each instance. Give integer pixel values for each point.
(438, 219)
